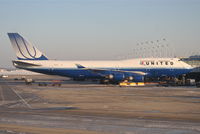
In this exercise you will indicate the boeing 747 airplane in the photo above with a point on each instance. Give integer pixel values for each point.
(30, 58)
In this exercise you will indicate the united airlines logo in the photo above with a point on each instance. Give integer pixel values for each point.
(24, 49)
(147, 62)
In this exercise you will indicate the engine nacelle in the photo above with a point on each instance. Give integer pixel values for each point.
(138, 78)
(129, 78)
(110, 76)
(117, 77)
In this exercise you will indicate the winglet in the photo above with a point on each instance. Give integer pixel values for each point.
(79, 66)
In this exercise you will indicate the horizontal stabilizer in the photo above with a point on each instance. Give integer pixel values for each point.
(24, 64)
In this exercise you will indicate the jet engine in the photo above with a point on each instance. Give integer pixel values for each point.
(119, 77)
(116, 77)
(138, 78)
(129, 78)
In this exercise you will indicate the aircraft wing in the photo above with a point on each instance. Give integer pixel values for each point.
(115, 70)
(102, 71)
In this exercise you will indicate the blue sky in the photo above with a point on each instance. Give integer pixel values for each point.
(99, 29)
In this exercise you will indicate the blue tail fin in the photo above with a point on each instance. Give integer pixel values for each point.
(24, 49)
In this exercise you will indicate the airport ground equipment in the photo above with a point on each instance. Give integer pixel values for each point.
(198, 84)
(4, 76)
(56, 83)
(52, 83)
(42, 84)
(131, 84)
(28, 81)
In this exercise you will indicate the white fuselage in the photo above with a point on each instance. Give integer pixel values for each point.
(150, 63)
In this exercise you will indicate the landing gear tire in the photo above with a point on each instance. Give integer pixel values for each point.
(104, 82)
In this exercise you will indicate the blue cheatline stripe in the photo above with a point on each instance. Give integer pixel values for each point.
(75, 72)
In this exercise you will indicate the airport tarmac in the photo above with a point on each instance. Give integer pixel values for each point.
(90, 108)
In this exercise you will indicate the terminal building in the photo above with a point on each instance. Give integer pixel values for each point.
(194, 61)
